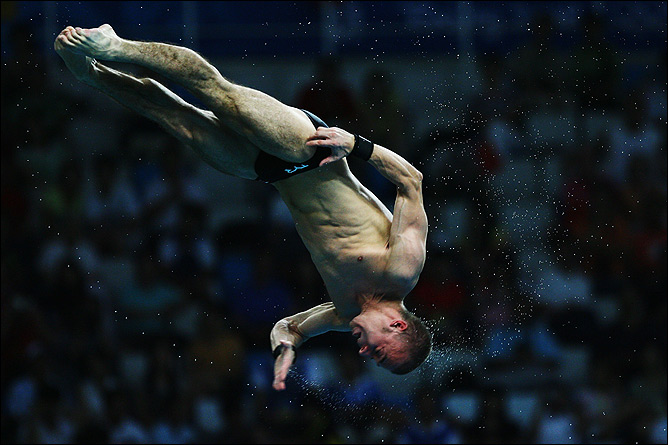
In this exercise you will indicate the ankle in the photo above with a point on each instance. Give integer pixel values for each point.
(125, 51)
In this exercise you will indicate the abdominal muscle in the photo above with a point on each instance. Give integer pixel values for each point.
(344, 226)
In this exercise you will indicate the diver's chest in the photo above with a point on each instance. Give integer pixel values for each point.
(357, 270)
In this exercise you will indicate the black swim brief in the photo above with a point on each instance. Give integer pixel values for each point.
(271, 169)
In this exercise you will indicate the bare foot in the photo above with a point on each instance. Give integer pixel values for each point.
(80, 65)
(100, 43)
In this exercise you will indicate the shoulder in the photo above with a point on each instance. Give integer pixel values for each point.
(404, 270)
(401, 281)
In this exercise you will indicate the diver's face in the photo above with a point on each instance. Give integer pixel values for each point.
(381, 343)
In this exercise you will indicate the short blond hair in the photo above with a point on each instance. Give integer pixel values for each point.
(419, 338)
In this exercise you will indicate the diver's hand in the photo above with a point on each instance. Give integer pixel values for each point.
(339, 141)
(284, 362)
(285, 338)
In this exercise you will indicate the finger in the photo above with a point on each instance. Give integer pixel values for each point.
(279, 385)
(281, 375)
(317, 135)
(323, 130)
(279, 380)
(315, 139)
(328, 160)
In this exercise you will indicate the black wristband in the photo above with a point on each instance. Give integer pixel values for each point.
(362, 148)
(277, 351)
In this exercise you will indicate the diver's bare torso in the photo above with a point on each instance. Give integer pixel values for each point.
(346, 229)
(344, 226)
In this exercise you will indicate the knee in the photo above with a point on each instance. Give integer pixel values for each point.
(227, 98)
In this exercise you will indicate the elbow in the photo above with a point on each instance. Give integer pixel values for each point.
(414, 174)
(413, 181)
(418, 176)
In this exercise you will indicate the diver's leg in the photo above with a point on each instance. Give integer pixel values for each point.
(272, 126)
(224, 149)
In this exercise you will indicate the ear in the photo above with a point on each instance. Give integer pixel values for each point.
(399, 324)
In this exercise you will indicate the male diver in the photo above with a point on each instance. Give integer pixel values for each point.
(368, 257)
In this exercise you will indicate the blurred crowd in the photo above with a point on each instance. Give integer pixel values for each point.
(133, 312)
